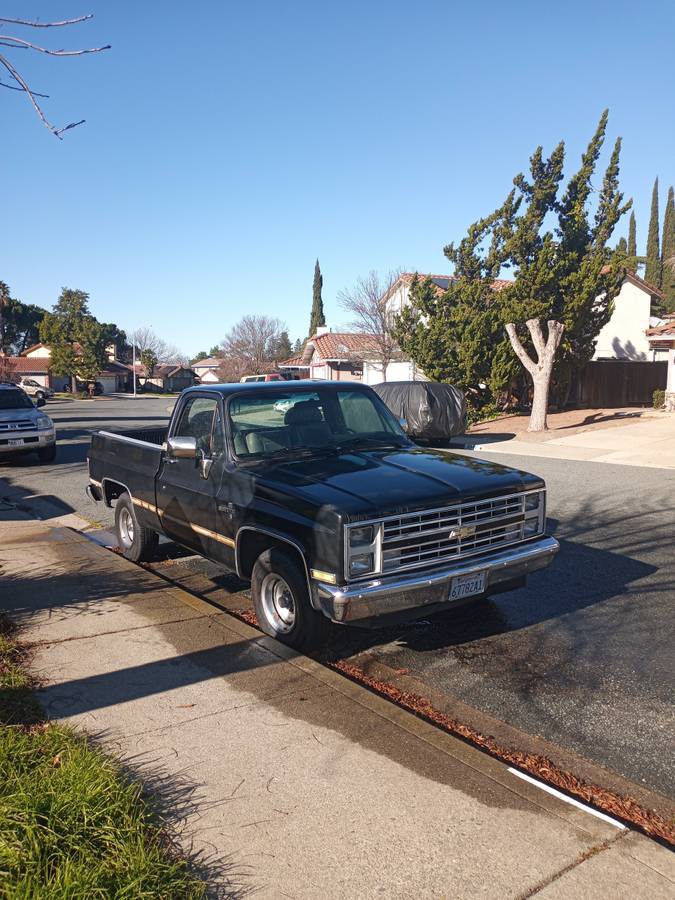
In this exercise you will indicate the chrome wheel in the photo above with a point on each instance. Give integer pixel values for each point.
(278, 603)
(125, 524)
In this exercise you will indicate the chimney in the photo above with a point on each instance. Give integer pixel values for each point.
(322, 329)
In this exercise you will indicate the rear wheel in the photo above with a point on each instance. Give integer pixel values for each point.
(138, 543)
(281, 600)
(47, 454)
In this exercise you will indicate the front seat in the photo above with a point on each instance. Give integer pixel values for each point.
(306, 425)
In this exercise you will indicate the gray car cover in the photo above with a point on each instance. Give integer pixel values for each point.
(432, 410)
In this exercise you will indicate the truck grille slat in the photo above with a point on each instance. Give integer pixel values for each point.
(434, 536)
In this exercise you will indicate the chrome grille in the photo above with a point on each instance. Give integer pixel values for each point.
(19, 425)
(428, 537)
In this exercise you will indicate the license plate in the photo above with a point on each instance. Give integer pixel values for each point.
(17, 442)
(467, 585)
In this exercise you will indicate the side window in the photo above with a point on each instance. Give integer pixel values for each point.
(360, 413)
(196, 420)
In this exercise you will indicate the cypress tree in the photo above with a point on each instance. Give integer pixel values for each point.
(668, 253)
(317, 319)
(653, 261)
(632, 243)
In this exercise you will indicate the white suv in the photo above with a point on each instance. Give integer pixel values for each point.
(23, 428)
(35, 389)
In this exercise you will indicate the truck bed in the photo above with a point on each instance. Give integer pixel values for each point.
(129, 460)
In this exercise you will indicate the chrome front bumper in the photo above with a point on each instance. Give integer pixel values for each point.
(395, 594)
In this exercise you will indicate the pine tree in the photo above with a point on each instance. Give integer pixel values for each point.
(317, 319)
(668, 253)
(632, 243)
(653, 260)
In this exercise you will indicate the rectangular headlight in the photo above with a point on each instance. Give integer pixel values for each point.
(362, 536)
(362, 564)
(532, 501)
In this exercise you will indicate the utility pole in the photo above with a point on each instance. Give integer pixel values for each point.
(133, 365)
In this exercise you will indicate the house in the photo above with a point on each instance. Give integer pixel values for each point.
(661, 339)
(206, 370)
(625, 335)
(343, 356)
(34, 363)
(167, 377)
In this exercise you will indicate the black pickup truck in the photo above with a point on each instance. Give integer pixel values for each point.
(313, 492)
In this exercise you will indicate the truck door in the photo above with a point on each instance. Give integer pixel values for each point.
(187, 488)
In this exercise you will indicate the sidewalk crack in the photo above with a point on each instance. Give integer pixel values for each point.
(587, 854)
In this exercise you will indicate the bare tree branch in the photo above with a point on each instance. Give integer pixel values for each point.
(19, 44)
(34, 24)
(12, 87)
(16, 43)
(253, 342)
(367, 303)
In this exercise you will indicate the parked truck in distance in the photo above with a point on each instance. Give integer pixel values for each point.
(313, 492)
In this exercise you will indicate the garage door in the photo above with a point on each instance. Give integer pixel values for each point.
(108, 382)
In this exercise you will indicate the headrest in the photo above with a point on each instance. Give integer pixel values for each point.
(304, 413)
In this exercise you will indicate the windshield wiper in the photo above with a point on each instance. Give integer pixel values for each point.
(370, 442)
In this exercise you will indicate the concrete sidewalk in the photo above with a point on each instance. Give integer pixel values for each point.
(650, 442)
(307, 784)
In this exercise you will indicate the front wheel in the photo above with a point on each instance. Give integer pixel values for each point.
(281, 600)
(138, 543)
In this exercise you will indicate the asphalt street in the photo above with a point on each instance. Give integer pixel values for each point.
(581, 657)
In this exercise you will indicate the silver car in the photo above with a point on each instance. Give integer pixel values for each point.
(23, 427)
(36, 390)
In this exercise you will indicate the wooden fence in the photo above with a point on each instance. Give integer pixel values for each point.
(616, 382)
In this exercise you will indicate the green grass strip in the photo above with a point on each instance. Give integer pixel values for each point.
(72, 824)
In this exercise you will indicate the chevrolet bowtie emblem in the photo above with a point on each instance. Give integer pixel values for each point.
(466, 531)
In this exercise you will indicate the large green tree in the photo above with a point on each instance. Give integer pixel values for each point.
(317, 318)
(668, 253)
(653, 255)
(19, 322)
(565, 277)
(76, 339)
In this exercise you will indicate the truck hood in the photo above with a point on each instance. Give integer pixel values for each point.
(383, 482)
(18, 415)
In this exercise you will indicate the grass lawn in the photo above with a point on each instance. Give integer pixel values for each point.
(72, 824)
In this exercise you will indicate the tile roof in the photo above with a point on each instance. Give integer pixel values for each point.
(211, 362)
(442, 282)
(292, 361)
(339, 346)
(666, 330)
(29, 366)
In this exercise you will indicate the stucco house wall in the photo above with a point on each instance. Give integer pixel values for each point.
(623, 337)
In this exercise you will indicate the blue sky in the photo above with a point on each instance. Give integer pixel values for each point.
(227, 145)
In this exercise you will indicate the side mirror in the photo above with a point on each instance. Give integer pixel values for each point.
(404, 424)
(182, 448)
(40, 401)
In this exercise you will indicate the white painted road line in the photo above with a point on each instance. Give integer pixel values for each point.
(570, 800)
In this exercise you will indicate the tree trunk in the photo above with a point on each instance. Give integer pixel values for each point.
(541, 370)
(538, 415)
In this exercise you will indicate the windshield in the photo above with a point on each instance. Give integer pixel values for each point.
(14, 400)
(281, 423)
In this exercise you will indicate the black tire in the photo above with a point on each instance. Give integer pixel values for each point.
(39, 395)
(301, 627)
(47, 454)
(137, 542)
